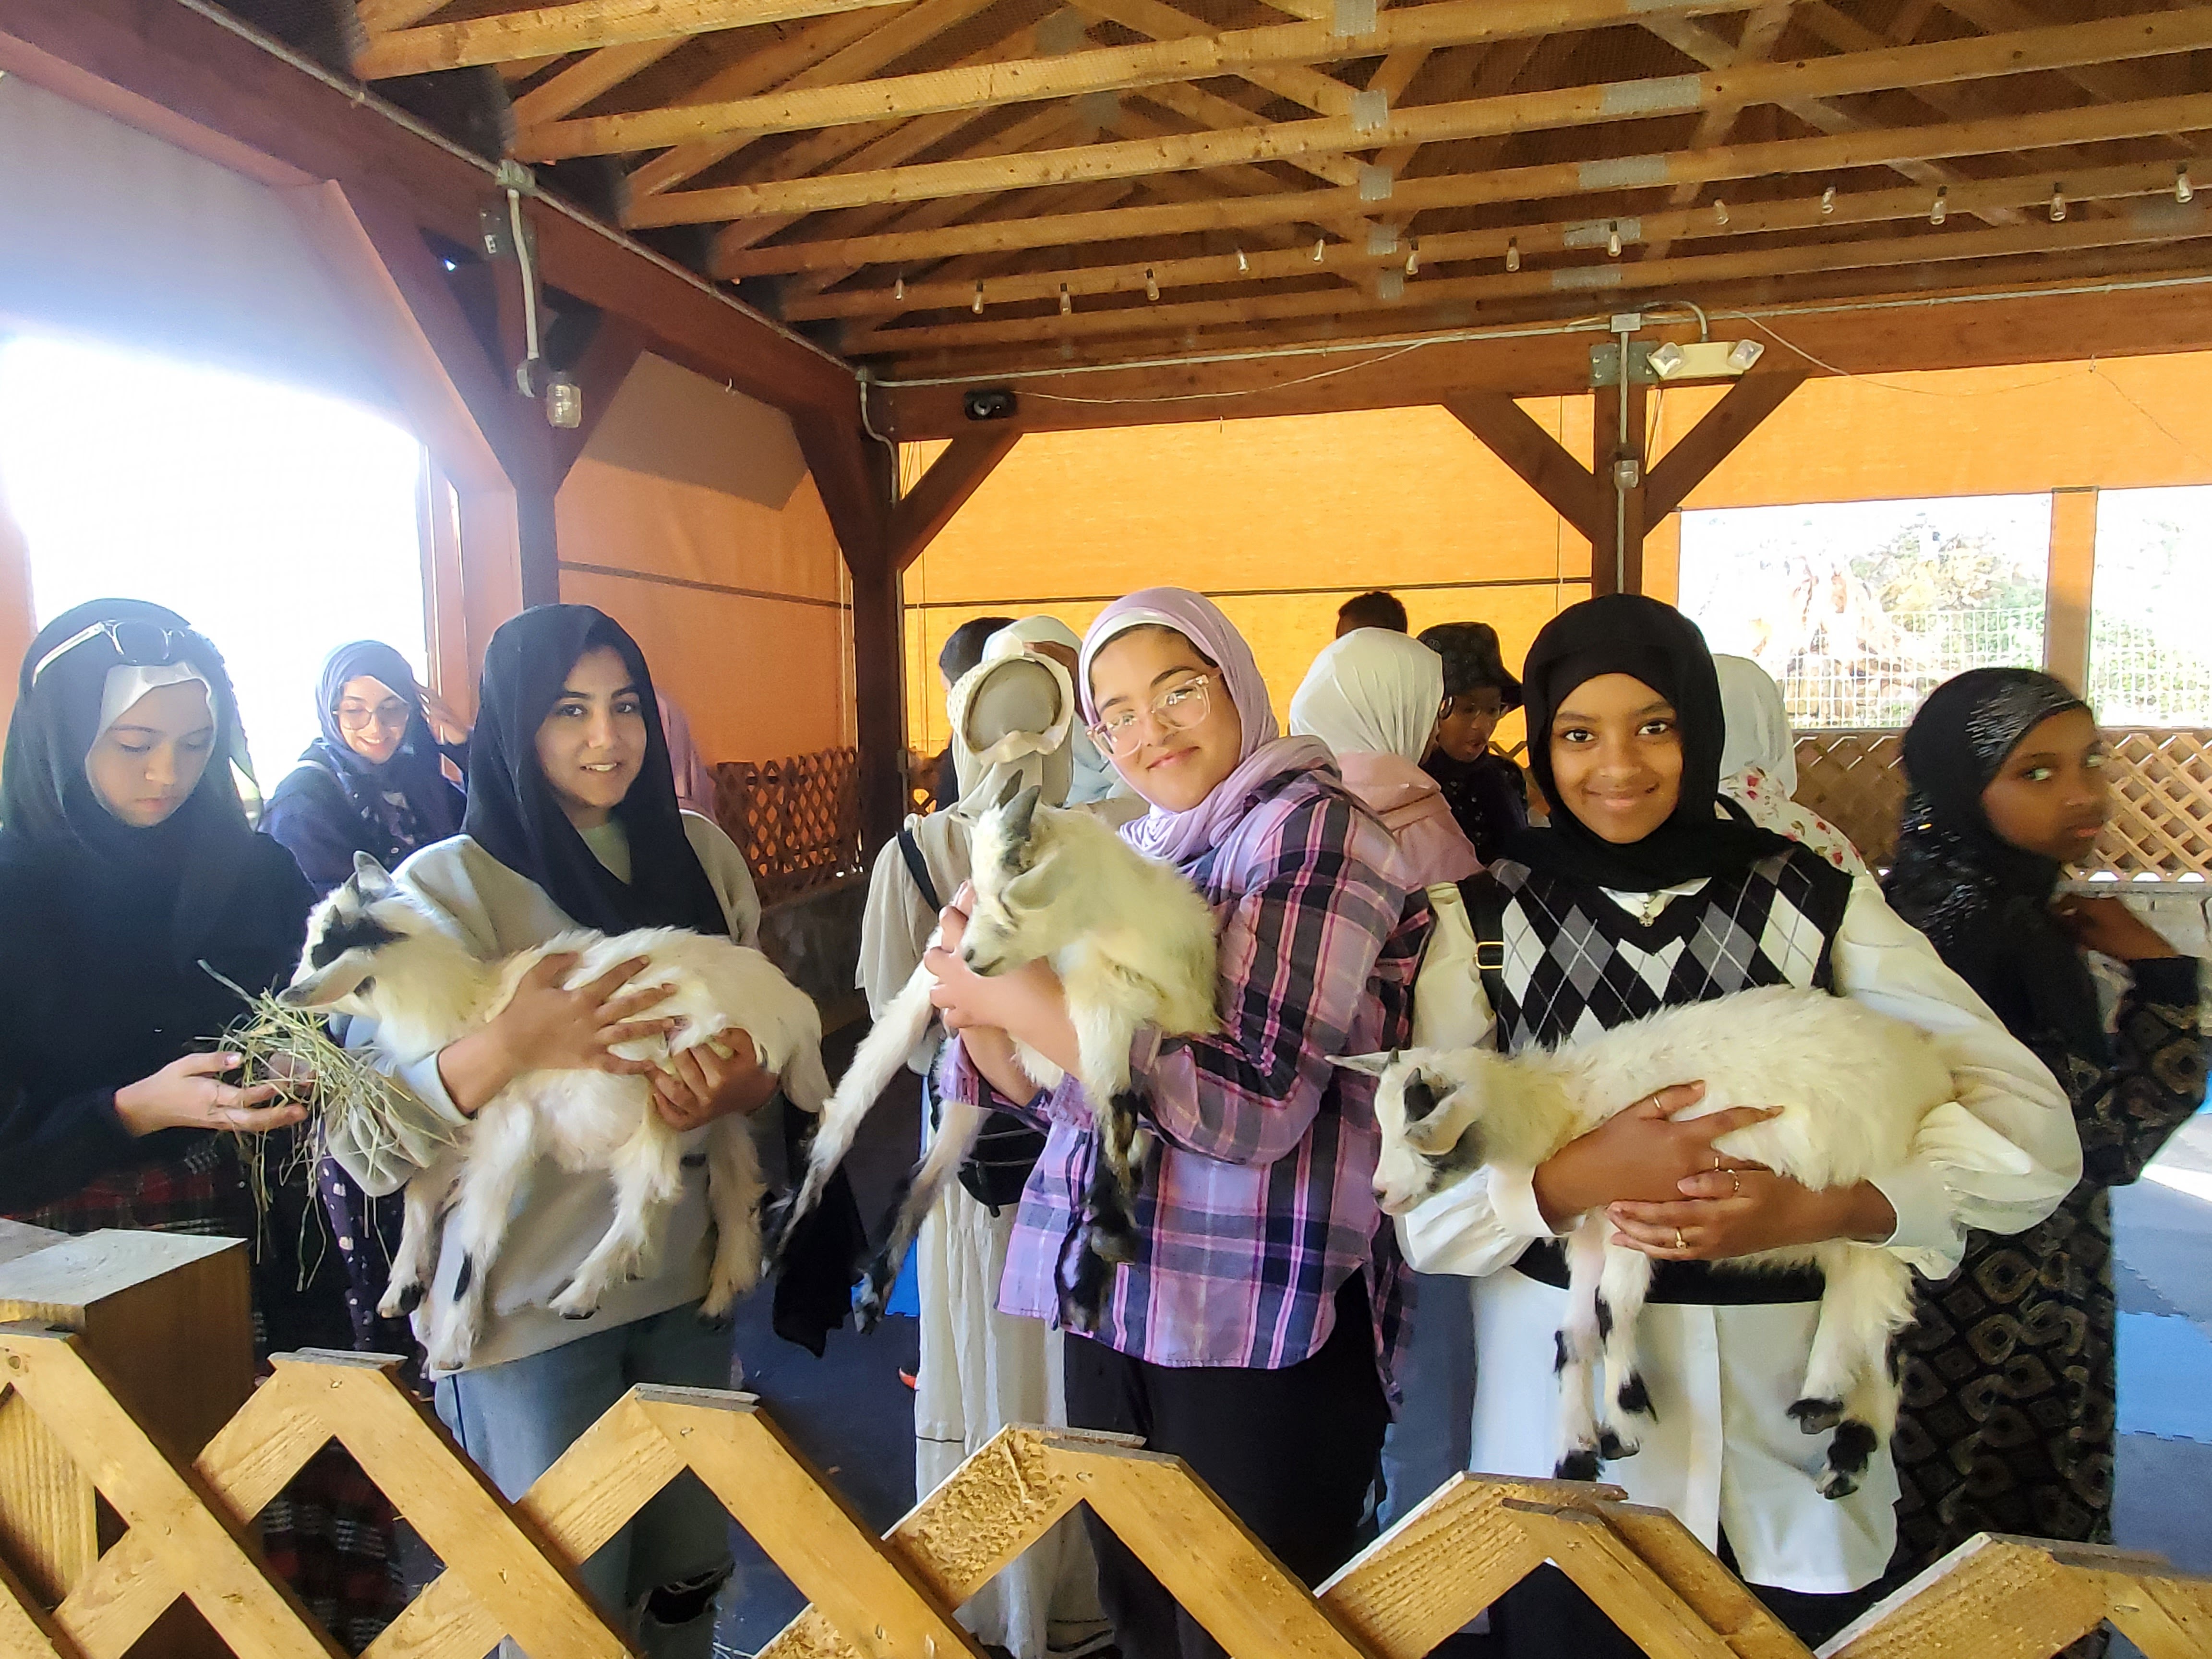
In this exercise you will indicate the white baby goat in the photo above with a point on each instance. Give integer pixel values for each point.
(1132, 943)
(1853, 1086)
(373, 951)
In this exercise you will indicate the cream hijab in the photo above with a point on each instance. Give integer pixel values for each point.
(1372, 692)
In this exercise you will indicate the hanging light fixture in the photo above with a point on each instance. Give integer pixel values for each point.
(898, 288)
(1414, 256)
(2057, 205)
(2183, 191)
(1613, 239)
(1066, 305)
(1152, 284)
(1941, 207)
(1720, 211)
(1828, 200)
(977, 308)
(1513, 253)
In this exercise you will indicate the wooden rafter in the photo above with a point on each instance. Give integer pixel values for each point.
(1537, 183)
(1843, 73)
(1628, 276)
(952, 477)
(2139, 179)
(1183, 49)
(578, 26)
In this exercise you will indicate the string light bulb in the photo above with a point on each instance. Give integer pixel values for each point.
(1720, 211)
(977, 308)
(1152, 284)
(1321, 245)
(1513, 253)
(1066, 305)
(1941, 207)
(2183, 191)
(1828, 200)
(1414, 257)
(898, 288)
(1243, 265)
(2057, 205)
(1613, 239)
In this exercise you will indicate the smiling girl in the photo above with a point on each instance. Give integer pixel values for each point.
(2009, 1373)
(572, 822)
(1648, 891)
(1253, 1333)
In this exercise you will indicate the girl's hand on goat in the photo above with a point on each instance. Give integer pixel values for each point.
(189, 1094)
(1642, 1153)
(1741, 1210)
(1028, 1002)
(705, 1083)
(548, 1027)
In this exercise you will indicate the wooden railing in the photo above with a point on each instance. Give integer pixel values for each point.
(797, 821)
(2161, 824)
(509, 1569)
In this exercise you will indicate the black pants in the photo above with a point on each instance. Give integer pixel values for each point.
(1290, 1452)
(1545, 1615)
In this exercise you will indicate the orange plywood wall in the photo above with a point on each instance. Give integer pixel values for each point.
(1282, 520)
(690, 518)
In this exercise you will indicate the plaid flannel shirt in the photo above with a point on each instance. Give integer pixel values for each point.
(1258, 1202)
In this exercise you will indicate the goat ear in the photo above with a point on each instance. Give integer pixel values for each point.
(329, 985)
(1430, 1127)
(370, 879)
(1033, 888)
(1366, 1064)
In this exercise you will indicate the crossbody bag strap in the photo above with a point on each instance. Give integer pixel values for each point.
(918, 867)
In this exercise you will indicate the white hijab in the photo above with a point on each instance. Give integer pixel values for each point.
(1093, 777)
(1373, 691)
(1758, 725)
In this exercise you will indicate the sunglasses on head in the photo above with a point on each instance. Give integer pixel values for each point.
(139, 644)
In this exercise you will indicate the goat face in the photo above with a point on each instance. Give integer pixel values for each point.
(1017, 875)
(1429, 1120)
(338, 969)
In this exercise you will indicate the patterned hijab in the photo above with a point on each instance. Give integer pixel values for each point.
(1983, 902)
(404, 802)
(1629, 634)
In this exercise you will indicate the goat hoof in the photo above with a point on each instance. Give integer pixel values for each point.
(404, 1300)
(1817, 1416)
(1611, 1447)
(579, 1313)
(1578, 1465)
(1634, 1398)
(1835, 1483)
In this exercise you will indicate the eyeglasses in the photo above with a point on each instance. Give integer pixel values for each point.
(390, 714)
(1176, 709)
(1486, 701)
(140, 644)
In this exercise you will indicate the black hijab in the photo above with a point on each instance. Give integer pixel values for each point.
(513, 814)
(404, 802)
(1706, 835)
(179, 879)
(1984, 902)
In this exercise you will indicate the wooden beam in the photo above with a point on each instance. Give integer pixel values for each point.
(1760, 218)
(578, 26)
(1558, 180)
(1714, 438)
(1612, 277)
(1762, 31)
(1183, 48)
(1969, 331)
(1535, 457)
(1842, 74)
(593, 77)
(944, 490)
(382, 16)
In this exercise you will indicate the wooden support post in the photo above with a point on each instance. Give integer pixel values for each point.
(1617, 456)
(1536, 456)
(941, 492)
(853, 474)
(2069, 586)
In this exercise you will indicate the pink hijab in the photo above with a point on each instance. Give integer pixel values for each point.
(1179, 837)
(694, 781)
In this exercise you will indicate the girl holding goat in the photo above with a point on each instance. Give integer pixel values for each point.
(572, 822)
(1254, 1331)
(1649, 890)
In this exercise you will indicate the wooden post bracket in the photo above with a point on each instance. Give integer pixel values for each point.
(510, 1568)
(943, 490)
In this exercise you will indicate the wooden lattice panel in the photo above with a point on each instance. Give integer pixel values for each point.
(2161, 824)
(797, 821)
(509, 1569)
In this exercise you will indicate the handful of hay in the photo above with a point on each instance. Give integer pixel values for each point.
(293, 1049)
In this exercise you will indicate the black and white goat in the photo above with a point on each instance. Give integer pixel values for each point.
(373, 951)
(1853, 1086)
(1132, 943)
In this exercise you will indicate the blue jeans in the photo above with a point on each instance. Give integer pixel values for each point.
(1430, 1441)
(514, 1420)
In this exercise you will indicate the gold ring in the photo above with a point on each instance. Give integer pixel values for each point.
(1716, 1162)
(1738, 1179)
(1680, 1242)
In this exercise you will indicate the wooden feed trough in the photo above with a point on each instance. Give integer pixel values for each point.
(187, 1532)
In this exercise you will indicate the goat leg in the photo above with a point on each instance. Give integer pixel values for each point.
(1848, 1387)
(647, 1174)
(1578, 1351)
(422, 1214)
(498, 1153)
(958, 1126)
(1624, 1403)
(735, 1191)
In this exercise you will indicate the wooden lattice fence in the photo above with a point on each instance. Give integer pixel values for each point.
(797, 821)
(509, 1568)
(2161, 825)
